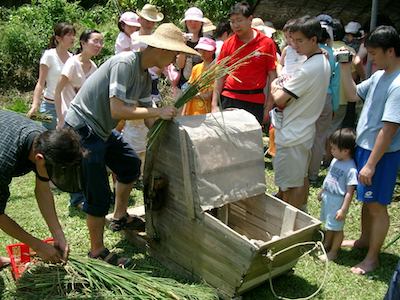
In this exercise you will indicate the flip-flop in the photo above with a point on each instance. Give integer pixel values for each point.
(112, 258)
(136, 223)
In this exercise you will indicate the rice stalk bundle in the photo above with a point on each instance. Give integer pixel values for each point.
(224, 67)
(85, 278)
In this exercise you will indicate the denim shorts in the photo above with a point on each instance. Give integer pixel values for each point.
(384, 179)
(115, 154)
(49, 108)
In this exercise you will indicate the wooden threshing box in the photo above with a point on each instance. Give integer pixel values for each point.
(211, 215)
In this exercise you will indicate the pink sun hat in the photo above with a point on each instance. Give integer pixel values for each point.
(206, 43)
(130, 19)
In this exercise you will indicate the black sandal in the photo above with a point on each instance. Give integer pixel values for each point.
(122, 224)
(112, 258)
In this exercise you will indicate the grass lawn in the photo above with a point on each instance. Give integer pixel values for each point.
(340, 283)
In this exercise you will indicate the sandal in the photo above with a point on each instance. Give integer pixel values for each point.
(122, 224)
(112, 258)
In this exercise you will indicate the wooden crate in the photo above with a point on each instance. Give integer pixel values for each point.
(215, 221)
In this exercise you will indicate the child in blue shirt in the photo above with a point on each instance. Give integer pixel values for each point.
(338, 189)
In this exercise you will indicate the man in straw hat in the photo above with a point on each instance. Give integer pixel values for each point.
(109, 95)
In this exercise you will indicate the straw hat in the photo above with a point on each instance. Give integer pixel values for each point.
(193, 14)
(150, 13)
(169, 37)
(130, 18)
(258, 24)
(208, 25)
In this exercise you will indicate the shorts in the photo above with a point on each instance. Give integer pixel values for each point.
(330, 204)
(384, 179)
(255, 109)
(49, 108)
(114, 153)
(291, 165)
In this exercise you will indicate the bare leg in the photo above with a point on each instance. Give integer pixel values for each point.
(96, 231)
(363, 240)
(328, 240)
(122, 192)
(337, 239)
(379, 228)
(297, 196)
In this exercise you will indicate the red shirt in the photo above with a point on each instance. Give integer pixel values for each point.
(253, 75)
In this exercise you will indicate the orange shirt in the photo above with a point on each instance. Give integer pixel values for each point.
(198, 105)
(253, 75)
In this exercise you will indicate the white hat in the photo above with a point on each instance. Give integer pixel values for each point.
(130, 18)
(328, 29)
(193, 14)
(150, 13)
(258, 24)
(169, 37)
(352, 27)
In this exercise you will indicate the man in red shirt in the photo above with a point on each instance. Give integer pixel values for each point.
(248, 93)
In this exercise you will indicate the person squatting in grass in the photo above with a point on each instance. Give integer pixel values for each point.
(52, 155)
(377, 153)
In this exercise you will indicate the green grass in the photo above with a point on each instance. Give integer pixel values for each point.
(340, 284)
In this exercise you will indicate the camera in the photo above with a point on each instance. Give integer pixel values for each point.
(343, 56)
(188, 36)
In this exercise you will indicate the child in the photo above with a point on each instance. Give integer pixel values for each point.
(338, 188)
(201, 103)
(128, 23)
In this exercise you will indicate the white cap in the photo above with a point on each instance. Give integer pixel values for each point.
(352, 27)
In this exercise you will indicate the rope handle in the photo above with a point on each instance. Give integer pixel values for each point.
(271, 256)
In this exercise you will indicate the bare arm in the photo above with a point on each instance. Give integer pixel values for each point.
(37, 93)
(121, 111)
(348, 83)
(382, 143)
(181, 60)
(219, 84)
(57, 100)
(278, 95)
(342, 212)
(269, 102)
(47, 208)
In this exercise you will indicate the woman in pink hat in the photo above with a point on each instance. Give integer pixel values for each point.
(128, 23)
(194, 21)
(201, 103)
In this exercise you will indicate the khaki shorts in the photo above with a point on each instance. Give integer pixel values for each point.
(291, 165)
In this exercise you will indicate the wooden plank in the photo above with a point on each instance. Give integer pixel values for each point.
(186, 174)
(223, 213)
(289, 218)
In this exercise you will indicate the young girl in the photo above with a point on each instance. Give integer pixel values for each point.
(201, 103)
(338, 189)
(128, 24)
(194, 31)
(50, 68)
(75, 72)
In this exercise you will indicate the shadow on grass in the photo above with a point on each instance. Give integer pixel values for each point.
(388, 262)
(299, 288)
(2, 287)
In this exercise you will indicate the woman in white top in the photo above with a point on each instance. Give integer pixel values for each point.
(75, 72)
(50, 68)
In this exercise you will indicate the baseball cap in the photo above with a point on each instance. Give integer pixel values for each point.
(206, 43)
(352, 27)
(130, 18)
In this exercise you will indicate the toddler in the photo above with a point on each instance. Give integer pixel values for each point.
(338, 189)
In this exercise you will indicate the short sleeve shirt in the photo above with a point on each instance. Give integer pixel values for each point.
(122, 77)
(341, 174)
(252, 75)
(55, 65)
(308, 88)
(76, 77)
(123, 43)
(16, 137)
(381, 94)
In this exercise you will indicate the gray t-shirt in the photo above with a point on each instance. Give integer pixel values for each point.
(122, 77)
(381, 93)
(341, 174)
